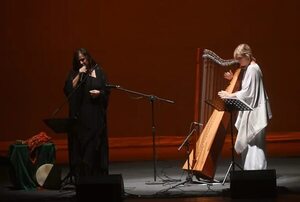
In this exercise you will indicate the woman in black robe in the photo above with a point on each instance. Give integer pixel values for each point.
(88, 102)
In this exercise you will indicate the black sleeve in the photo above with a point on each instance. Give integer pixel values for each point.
(104, 89)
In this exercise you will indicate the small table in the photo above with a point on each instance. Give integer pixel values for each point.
(23, 170)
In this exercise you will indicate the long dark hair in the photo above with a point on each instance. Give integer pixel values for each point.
(86, 54)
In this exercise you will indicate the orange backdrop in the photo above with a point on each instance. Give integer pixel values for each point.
(145, 46)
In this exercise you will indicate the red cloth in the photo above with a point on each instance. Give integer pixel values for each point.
(36, 141)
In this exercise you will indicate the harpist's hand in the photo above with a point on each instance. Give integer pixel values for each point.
(224, 94)
(228, 75)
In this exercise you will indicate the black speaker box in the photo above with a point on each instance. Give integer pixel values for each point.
(100, 188)
(48, 176)
(253, 184)
(53, 180)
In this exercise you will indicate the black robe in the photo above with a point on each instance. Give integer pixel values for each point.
(88, 140)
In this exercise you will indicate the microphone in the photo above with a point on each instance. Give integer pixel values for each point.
(81, 75)
(112, 86)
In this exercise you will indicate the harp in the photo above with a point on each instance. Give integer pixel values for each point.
(209, 139)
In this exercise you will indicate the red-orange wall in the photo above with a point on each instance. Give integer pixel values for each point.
(145, 46)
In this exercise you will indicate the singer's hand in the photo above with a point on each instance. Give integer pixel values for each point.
(83, 69)
(228, 75)
(95, 93)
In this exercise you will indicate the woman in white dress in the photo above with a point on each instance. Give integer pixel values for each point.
(251, 125)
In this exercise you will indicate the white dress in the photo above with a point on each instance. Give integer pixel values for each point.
(251, 125)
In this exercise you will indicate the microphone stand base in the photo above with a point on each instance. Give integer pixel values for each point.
(155, 182)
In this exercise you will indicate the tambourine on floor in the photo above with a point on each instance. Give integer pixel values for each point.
(48, 176)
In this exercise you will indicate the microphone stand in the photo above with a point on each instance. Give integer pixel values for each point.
(186, 143)
(189, 178)
(152, 99)
(68, 97)
(82, 79)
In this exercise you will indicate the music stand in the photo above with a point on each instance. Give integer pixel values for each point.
(230, 105)
(63, 125)
(60, 125)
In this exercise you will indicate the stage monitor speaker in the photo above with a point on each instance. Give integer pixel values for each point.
(253, 184)
(100, 188)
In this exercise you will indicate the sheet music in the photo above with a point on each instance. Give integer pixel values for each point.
(240, 104)
(229, 104)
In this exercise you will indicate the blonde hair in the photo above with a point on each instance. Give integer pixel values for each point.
(243, 50)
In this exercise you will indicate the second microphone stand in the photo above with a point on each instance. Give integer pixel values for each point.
(152, 99)
(186, 143)
(195, 127)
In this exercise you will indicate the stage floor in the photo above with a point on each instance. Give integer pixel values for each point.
(168, 184)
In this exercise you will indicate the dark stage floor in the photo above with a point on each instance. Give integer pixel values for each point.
(139, 183)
